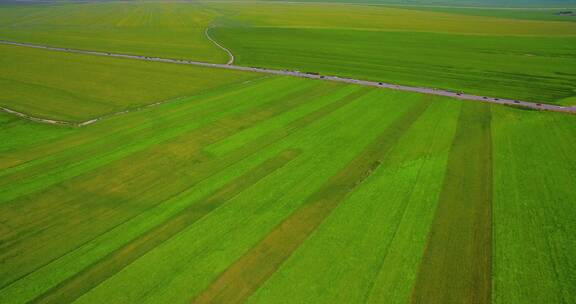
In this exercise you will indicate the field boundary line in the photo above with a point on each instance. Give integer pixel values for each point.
(369, 83)
(230, 55)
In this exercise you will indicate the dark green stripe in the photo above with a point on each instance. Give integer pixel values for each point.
(247, 274)
(207, 169)
(457, 262)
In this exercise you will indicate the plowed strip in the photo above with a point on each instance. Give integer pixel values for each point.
(243, 277)
(74, 287)
(456, 267)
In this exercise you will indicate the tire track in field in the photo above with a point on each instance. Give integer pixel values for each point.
(252, 269)
(207, 170)
(422, 90)
(457, 263)
(92, 276)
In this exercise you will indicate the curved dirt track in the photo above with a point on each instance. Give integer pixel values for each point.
(230, 55)
(229, 66)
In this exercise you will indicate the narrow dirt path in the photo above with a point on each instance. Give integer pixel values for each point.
(230, 56)
(38, 119)
(229, 66)
(86, 122)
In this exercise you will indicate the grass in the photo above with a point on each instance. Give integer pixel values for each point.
(533, 210)
(244, 277)
(369, 248)
(150, 197)
(528, 68)
(167, 29)
(76, 87)
(518, 59)
(547, 14)
(506, 4)
(456, 266)
(376, 18)
(269, 189)
(489, 52)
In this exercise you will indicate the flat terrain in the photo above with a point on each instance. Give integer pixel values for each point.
(472, 50)
(79, 87)
(504, 57)
(169, 29)
(357, 179)
(257, 188)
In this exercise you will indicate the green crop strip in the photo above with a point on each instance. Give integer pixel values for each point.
(258, 264)
(74, 287)
(163, 157)
(151, 197)
(211, 132)
(456, 267)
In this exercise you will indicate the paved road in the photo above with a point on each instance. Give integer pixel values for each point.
(518, 103)
(231, 60)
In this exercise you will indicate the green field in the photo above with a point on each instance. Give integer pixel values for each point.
(79, 87)
(480, 51)
(169, 29)
(253, 188)
(524, 59)
(150, 197)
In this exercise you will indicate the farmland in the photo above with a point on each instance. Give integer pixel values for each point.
(477, 51)
(78, 87)
(170, 30)
(257, 188)
(525, 59)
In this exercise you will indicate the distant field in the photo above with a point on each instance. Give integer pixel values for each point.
(538, 69)
(548, 14)
(531, 60)
(481, 51)
(457, 3)
(79, 87)
(168, 29)
(171, 203)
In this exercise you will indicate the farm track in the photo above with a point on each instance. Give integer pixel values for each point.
(252, 269)
(230, 66)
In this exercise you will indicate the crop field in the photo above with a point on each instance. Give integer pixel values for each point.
(249, 187)
(169, 30)
(479, 51)
(78, 87)
(524, 59)
(237, 193)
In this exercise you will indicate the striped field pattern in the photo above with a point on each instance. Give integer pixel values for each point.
(284, 190)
